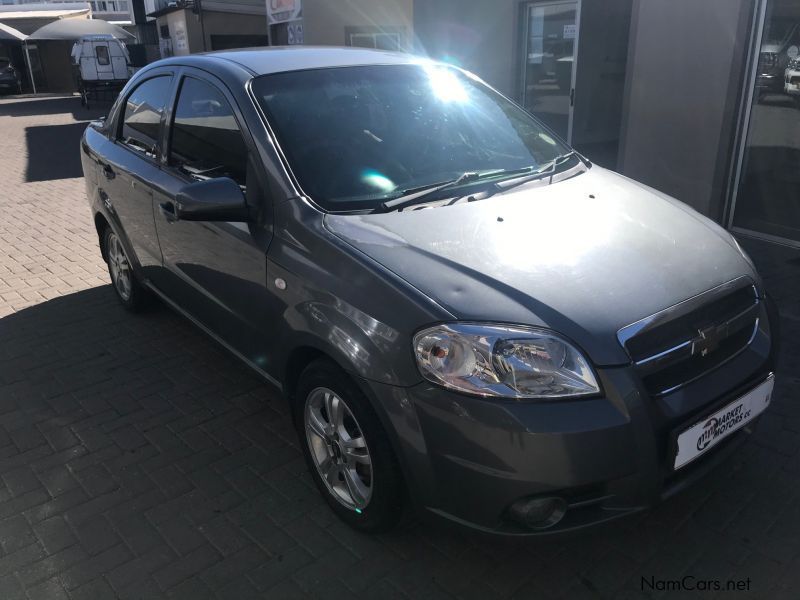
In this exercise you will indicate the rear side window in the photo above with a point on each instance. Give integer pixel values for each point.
(102, 55)
(143, 109)
(206, 140)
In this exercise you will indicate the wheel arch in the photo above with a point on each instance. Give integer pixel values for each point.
(101, 224)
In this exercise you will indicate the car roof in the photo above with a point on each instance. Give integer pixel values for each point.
(280, 59)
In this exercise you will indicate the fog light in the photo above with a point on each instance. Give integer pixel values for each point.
(538, 513)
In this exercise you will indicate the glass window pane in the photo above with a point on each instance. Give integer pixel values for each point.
(206, 140)
(768, 198)
(143, 110)
(549, 52)
(358, 135)
(102, 55)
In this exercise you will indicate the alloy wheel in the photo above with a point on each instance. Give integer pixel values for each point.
(121, 275)
(338, 448)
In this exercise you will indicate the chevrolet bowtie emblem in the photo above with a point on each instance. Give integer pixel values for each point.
(707, 340)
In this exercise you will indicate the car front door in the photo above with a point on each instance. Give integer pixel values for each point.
(130, 163)
(215, 271)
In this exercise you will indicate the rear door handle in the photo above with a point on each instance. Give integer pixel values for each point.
(108, 172)
(167, 209)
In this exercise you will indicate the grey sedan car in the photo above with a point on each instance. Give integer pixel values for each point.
(466, 316)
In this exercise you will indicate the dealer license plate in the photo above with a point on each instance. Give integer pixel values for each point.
(711, 430)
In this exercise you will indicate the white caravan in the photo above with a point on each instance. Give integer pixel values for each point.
(101, 58)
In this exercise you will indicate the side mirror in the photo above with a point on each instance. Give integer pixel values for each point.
(219, 199)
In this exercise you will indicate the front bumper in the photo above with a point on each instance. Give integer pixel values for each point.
(468, 459)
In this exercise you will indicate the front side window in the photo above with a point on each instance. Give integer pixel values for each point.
(206, 140)
(358, 136)
(141, 122)
(102, 55)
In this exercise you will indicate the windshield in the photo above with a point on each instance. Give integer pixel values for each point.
(358, 136)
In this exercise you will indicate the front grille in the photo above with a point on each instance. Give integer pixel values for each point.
(680, 344)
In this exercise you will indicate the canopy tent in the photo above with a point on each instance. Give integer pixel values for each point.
(68, 30)
(73, 29)
(9, 33)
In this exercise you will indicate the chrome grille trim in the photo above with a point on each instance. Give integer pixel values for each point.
(682, 308)
(675, 388)
(704, 343)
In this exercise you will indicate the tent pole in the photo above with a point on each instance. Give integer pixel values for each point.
(30, 68)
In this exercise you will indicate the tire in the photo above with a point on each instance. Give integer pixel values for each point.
(131, 294)
(364, 486)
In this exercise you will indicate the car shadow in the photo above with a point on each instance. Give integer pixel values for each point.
(34, 107)
(53, 152)
(159, 413)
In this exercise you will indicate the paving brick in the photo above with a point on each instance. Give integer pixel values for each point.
(48, 590)
(11, 588)
(54, 534)
(192, 564)
(96, 535)
(234, 567)
(21, 480)
(58, 480)
(95, 566)
(280, 567)
(181, 535)
(52, 565)
(141, 567)
(15, 534)
(97, 589)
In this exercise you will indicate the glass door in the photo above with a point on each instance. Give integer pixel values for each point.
(767, 197)
(550, 52)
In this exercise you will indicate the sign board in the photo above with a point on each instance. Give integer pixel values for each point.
(281, 11)
(569, 32)
(295, 30)
(181, 40)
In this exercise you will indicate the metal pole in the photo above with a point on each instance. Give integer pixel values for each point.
(199, 4)
(30, 68)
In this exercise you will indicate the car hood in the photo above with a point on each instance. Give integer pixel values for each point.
(584, 257)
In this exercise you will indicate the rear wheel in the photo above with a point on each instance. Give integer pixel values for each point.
(347, 450)
(127, 288)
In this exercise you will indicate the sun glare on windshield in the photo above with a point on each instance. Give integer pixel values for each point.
(378, 180)
(445, 85)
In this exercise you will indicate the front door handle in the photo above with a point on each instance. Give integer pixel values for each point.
(167, 209)
(109, 172)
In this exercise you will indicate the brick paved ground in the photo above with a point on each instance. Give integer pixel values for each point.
(139, 460)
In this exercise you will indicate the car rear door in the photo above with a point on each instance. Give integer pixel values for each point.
(214, 271)
(129, 163)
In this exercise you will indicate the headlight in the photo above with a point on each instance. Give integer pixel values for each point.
(503, 360)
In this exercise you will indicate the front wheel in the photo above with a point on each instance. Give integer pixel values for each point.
(347, 450)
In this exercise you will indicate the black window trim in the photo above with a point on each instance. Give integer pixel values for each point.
(169, 118)
(116, 130)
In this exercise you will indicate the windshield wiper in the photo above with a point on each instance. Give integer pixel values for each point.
(426, 193)
(547, 170)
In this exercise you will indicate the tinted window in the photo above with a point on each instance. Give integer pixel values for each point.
(356, 136)
(143, 110)
(206, 141)
(102, 54)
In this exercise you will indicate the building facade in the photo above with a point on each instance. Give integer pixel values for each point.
(117, 11)
(697, 99)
